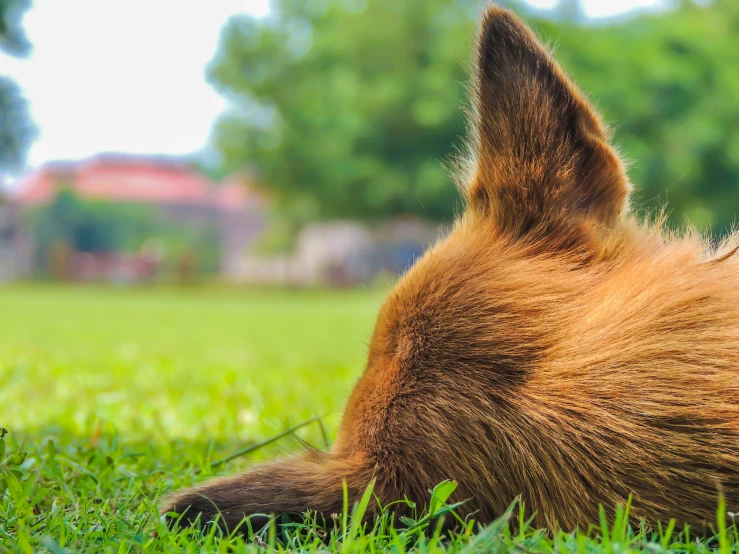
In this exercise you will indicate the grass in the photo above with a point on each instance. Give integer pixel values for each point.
(113, 397)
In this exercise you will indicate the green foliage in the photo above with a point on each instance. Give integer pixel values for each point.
(13, 40)
(350, 107)
(114, 398)
(98, 225)
(16, 129)
(348, 110)
(86, 226)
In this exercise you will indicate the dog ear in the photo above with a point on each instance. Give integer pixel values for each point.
(542, 152)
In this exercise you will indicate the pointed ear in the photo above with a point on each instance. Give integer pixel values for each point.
(542, 152)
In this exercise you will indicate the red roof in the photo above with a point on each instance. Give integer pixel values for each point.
(129, 180)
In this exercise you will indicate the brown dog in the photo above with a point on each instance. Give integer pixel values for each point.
(550, 347)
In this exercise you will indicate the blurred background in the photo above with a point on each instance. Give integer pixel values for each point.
(203, 203)
(308, 142)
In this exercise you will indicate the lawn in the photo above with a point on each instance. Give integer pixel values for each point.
(113, 397)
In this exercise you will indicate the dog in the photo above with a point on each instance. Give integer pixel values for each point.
(552, 346)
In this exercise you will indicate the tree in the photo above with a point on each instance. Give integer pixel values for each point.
(350, 107)
(13, 39)
(350, 113)
(87, 225)
(16, 130)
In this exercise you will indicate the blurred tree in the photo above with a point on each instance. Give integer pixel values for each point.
(82, 225)
(16, 130)
(349, 107)
(570, 11)
(73, 224)
(13, 39)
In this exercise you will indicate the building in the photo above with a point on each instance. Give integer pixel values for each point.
(180, 194)
(328, 253)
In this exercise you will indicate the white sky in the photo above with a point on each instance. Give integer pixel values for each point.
(128, 75)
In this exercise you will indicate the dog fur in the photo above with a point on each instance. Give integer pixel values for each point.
(551, 346)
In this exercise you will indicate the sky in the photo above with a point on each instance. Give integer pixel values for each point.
(129, 75)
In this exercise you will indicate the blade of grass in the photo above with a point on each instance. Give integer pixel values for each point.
(254, 447)
(723, 537)
(345, 511)
(360, 510)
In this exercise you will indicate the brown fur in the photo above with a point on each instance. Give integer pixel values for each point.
(550, 347)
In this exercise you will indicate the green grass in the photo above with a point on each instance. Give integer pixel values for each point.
(114, 397)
